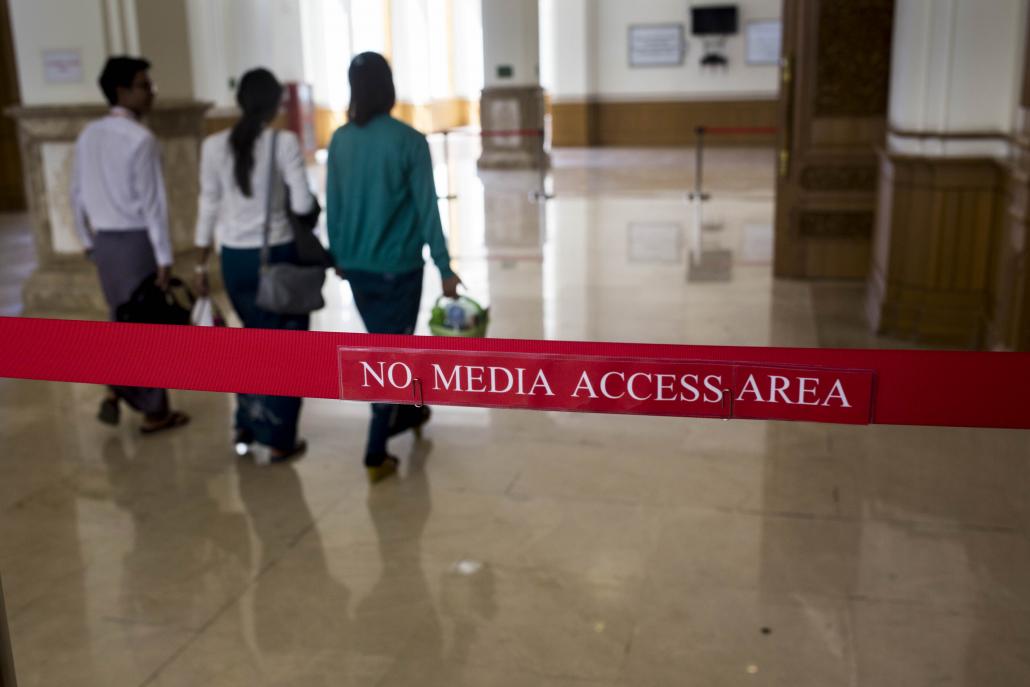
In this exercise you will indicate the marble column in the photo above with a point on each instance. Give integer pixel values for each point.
(512, 99)
(1010, 327)
(941, 201)
(65, 283)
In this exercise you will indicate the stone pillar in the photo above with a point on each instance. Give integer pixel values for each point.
(65, 282)
(941, 205)
(934, 248)
(512, 99)
(513, 235)
(568, 69)
(1010, 326)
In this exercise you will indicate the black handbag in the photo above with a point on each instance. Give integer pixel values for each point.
(310, 250)
(152, 305)
(286, 288)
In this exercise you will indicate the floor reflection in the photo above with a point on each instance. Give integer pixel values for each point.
(533, 548)
(285, 619)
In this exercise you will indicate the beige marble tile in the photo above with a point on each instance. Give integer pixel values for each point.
(539, 622)
(945, 475)
(902, 644)
(523, 548)
(902, 562)
(716, 638)
(702, 463)
(61, 641)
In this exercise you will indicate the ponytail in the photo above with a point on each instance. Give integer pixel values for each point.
(241, 141)
(259, 96)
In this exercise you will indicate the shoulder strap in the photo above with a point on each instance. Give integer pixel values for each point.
(269, 191)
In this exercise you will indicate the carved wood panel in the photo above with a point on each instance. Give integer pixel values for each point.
(838, 178)
(853, 63)
(833, 105)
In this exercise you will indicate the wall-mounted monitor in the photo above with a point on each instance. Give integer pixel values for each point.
(713, 20)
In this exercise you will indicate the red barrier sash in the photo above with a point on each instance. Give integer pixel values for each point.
(881, 386)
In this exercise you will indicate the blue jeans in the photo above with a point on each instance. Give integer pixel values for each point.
(388, 304)
(270, 420)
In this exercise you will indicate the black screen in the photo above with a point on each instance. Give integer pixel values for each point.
(714, 19)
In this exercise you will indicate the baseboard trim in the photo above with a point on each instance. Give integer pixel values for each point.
(639, 123)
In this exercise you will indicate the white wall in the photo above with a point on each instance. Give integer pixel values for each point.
(309, 40)
(956, 65)
(320, 21)
(336, 30)
(229, 37)
(568, 46)
(283, 35)
(510, 37)
(468, 48)
(164, 40)
(411, 50)
(208, 50)
(587, 55)
(39, 25)
(95, 29)
(265, 33)
(368, 27)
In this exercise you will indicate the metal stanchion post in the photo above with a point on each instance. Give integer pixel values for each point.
(6, 653)
(697, 197)
(447, 165)
(699, 166)
(541, 194)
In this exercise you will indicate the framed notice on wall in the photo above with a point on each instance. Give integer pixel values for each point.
(62, 66)
(657, 45)
(762, 41)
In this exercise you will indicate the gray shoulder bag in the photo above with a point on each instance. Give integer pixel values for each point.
(283, 287)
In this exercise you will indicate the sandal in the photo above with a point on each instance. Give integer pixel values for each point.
(172, 420)
(109, 412)
(242, 440)
(267, 458)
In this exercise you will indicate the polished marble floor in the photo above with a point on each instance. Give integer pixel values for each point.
(521, 548)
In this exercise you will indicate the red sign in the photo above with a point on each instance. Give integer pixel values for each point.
(644, 386)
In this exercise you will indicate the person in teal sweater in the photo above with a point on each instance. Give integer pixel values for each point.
(381, 209)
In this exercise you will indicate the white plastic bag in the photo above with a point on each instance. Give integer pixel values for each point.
(204, 314)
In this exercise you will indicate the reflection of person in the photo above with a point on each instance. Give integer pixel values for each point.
(291, 598)
(381, 210)
(121, 216)
(234, 186)
(468, 598)
(402, 595)
(209, 566)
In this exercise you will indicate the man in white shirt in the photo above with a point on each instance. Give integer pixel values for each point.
(121, 215)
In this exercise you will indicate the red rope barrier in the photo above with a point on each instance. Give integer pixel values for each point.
(525, 133)
(739, 130)
(829, 385)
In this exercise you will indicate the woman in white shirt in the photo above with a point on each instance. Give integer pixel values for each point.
(234, 168)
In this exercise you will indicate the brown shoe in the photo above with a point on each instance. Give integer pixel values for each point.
(377, 473)
(170, 421)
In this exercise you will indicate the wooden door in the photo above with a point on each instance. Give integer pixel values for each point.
(12, 187)
(832, 115)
